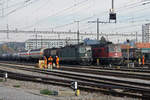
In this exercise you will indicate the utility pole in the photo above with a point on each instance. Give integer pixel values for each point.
(7, 31)
(136, 37)
(35, 37)
(58, 36)
(112, 4)
(97, 28)
(102, 22)
(78, 33)
(112, 17)
(41, 42)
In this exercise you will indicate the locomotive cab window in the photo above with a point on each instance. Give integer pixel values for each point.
(82, 50)
(111, 49)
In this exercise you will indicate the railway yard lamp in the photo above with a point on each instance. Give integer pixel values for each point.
(112, 14)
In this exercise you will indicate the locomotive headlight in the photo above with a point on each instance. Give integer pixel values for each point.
(116, 54)
(86, 54)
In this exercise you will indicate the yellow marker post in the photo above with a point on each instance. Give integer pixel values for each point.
(77, 92)
(97, 61)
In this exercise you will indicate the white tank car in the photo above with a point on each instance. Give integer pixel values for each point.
(24, 54)
(37, 53)
(40, 53)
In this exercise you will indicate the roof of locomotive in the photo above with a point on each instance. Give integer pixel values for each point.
(102, 44)
(75, 45)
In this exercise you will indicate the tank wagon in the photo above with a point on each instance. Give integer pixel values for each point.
(76, 54)
(107, 53)
(36, 54)
(6, 56)
(23, 55)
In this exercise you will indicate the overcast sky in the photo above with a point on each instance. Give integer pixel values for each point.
(60, 15)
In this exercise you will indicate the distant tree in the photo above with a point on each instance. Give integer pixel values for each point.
(6, 49)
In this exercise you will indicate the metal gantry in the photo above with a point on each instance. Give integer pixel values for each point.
(132, 34)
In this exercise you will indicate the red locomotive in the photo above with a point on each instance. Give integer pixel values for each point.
(107, 53)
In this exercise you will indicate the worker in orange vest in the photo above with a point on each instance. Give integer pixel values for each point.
(50, 62)
(143, 60)
(57, 61)
(45, 62)
(42, 65)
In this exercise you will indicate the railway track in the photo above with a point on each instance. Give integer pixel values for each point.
(141, 69)
(116, 68)
(127, 74)
(86, 82)
(142, 74)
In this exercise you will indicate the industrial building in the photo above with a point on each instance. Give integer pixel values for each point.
(146, 32)
(48, 43)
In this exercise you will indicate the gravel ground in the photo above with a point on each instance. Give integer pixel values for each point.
(9, 93)
(31, 73)
(34, 89)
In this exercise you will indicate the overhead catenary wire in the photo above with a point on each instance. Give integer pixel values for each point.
(80, 20)
(84, 20)
(25, 4)
(120, 8)
(126, 20)
(57, 13)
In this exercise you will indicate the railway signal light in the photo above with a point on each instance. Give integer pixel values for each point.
(112, 16)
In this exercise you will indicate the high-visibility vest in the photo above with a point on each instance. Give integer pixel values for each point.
(143, 60)
(50, 59)
(57, 60)
(45, 60)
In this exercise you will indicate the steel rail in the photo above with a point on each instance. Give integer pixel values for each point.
(122, 68)
(97, 83)
(82, 85)
(73, 75)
